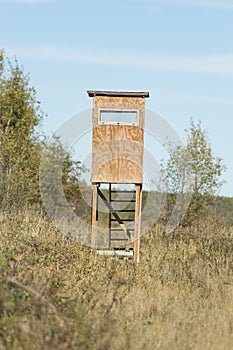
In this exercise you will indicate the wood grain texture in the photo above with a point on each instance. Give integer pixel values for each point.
(94, 215)
(117, 150)
(138, 208)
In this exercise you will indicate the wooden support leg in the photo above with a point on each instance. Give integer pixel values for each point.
(138, 206)
(110, 215)
(94, 214)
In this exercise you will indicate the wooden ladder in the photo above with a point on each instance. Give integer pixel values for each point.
(115, 233)
(120, 230)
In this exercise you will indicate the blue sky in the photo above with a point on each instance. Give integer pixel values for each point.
(181, 51)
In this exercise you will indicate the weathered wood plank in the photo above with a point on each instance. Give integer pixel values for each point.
(137, 222)
(123, 253)
(94, 214)
(117, 150)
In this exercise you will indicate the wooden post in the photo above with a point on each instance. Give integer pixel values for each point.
(110, 214)
(94, 214)
(138, 206)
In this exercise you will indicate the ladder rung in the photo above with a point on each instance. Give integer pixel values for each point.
(122, 220)
(121, 229)
(124, 210)
(123, 200)
(123, 191)
(116, 229)
(119, 239)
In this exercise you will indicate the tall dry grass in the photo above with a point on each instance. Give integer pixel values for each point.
(58, 295)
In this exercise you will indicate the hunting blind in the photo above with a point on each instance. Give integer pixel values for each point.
(117, 159)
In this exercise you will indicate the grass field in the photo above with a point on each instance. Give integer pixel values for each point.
(58, 295)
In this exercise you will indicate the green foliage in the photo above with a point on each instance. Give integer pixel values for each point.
(193, 164)
(21, 144)
(20, 115)
(207, 168)
(59, 180)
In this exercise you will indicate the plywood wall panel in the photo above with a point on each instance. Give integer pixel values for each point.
(117, 150)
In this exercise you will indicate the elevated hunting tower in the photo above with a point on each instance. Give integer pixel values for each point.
(117, 159)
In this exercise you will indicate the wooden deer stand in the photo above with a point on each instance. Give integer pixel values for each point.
(117, 158)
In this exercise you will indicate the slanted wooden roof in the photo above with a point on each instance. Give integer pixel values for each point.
(93, 93)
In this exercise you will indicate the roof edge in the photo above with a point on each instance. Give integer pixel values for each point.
(93, 93)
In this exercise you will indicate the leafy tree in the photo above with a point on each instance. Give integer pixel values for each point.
(21, 143)
(195, 161)
(20, 115)
(59, 179)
